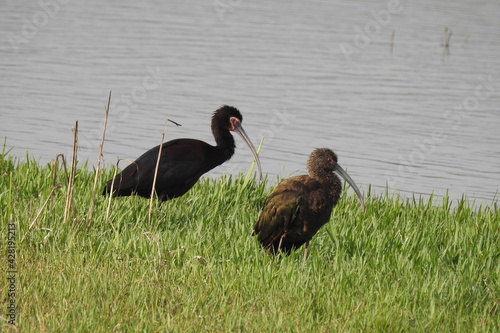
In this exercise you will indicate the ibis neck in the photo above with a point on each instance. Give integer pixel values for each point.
(225, 142)
(327, 178)
(331, 184)
(322, 175)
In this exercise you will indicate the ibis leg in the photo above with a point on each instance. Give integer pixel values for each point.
(281, 241)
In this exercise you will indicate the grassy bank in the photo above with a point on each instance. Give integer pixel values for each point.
(403, 265)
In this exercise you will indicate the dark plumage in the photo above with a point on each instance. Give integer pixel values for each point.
(182, 161)
(299, 206)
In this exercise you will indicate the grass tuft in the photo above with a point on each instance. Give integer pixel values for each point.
(404, 265)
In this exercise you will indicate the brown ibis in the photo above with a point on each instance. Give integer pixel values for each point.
(182, 161)
(299, 206)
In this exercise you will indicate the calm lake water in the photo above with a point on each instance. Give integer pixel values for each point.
(370, 79)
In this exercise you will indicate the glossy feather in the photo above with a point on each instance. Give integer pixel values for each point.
(299, 206)
(182, 161)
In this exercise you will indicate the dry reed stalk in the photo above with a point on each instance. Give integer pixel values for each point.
(447, 38)
(111, 193)
(55, 186)
(446, 42)
(157, 166)
(350, 315)
(71, 182)
(56, 167)
(99, 159)
(43, 207)
(156, 172)
(108, 209)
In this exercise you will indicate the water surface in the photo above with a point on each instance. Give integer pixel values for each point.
(420, 120)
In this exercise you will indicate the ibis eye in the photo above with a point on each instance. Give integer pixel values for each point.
(330, 160)
(234, 123)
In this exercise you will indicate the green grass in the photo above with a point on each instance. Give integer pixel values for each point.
(403, 266)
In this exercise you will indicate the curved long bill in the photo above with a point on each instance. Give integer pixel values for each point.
(349, 180)
(239, 129)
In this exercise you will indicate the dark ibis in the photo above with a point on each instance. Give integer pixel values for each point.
(299, 206)
(182, 161)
